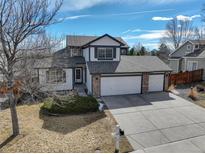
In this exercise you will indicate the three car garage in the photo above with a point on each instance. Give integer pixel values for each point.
(130, 75)
(119, 85)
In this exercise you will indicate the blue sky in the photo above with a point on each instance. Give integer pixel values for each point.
(135, 20)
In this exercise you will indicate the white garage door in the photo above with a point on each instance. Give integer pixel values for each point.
(156, 83)
(120, 85)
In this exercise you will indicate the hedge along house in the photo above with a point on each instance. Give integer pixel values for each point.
(101, 63)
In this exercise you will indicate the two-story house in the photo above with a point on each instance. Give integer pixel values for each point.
(188, 57)
(101, 63)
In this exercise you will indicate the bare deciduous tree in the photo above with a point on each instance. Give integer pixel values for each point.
(19, 21)
(177, 32)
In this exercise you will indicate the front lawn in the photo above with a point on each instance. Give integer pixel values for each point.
(71, 133)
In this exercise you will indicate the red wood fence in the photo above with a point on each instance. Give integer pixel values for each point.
(186, 77)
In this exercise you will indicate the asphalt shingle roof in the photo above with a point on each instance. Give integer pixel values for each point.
(129, 64)
(60, 59)
(78, 40)
(198, 41)
(196, 52)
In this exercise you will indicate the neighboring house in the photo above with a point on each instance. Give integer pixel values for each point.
(189, 56)
(102, 65)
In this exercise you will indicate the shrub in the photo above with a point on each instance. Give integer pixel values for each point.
(70, 105)
(193, 94)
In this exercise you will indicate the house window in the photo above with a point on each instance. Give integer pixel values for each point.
(56, 76)
(189, 47)
(105, 53)
(197, 46)
(123, 51)
(192, 65)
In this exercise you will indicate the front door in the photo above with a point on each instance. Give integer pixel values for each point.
(78, 75)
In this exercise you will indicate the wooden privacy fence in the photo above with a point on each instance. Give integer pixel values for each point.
(186, 77)
(16, 88)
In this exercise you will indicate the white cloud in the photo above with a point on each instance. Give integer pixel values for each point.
(151, 45)
(162, 18)
(187, 18)
(140, 12)
(165, 1)
(127, 31)
(150, 35)
(179, 17)
(137, 30)
(74, 17)
(179, 26)
(73, 5)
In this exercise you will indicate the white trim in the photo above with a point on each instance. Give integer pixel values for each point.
(178, 67)
(173, 59)
(185, 63)
(80, 79)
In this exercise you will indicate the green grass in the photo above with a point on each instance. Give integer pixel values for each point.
(70, 105)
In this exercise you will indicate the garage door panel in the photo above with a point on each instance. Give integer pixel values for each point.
(156, 83)
(120, 85)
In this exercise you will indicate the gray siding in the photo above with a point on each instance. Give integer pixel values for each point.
(183, 68)
(182, 51)
(174, 65)
(201, 64)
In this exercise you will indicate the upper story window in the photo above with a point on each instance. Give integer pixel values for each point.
(196, 46)
(105, 53)
(56, 76)
(188, 47)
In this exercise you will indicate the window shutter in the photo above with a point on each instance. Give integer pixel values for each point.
(96, 52)
(114, 52)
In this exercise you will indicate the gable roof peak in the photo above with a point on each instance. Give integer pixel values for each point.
(84, 40)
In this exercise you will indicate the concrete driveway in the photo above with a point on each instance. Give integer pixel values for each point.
(159, 122)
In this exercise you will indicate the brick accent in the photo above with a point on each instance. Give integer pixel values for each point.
(96, 85)
(166, 81)
(145, 82)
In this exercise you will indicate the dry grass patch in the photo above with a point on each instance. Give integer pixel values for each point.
(77, 133)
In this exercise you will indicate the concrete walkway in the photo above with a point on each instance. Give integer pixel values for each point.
(159, 122)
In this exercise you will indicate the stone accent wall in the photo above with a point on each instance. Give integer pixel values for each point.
(145, 82)
(96, 85)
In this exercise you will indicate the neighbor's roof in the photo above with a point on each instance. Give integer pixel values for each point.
(197, 41)
(196, 52)
(81, 40)
(129, 64)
